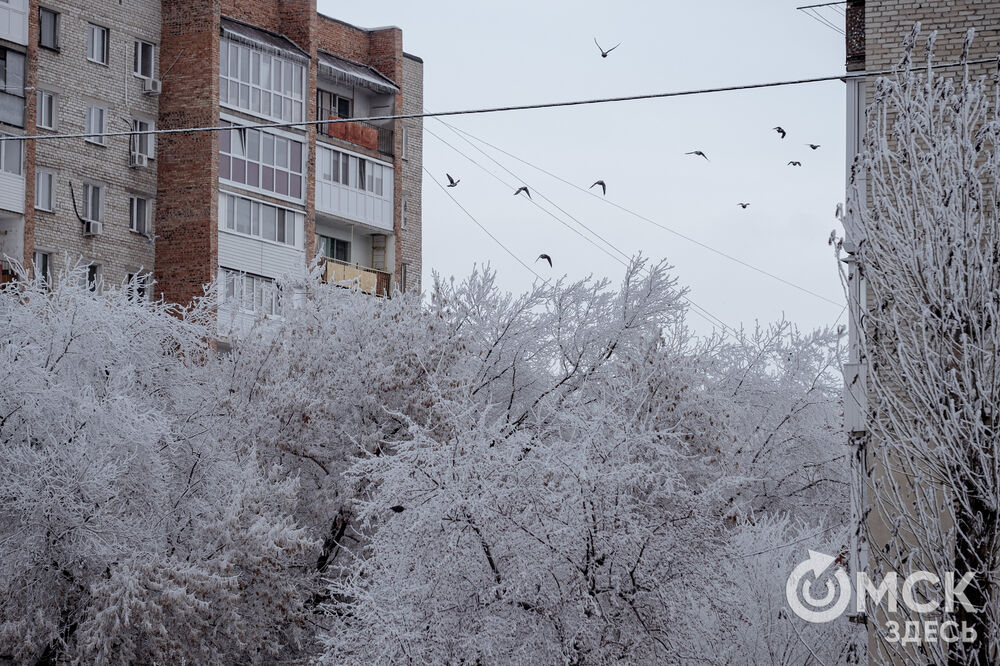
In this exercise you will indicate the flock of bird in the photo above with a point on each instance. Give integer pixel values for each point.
(453, 182)
(781, 133)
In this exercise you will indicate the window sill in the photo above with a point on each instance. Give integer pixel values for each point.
(95, 143)
(54, 49)
(45, 210)
(98, 62)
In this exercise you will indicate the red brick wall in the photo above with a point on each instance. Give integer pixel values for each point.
(30, 128)
(188, 172)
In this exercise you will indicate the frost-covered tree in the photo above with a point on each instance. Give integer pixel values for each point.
(127, 533)
(563, 475)
(573, 494)
(929, 252)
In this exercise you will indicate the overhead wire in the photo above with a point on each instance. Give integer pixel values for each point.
(697, 309)
(647, 219)
(466, 112)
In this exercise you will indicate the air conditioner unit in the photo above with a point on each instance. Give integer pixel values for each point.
(92, 228)
(152, 86)
(137, 160)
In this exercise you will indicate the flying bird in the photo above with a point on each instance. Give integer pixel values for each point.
(398, 508)
(523, 189)
(604, 188)
(546, 258)
(795, 163)
(700, 154)
(814, 146)
(742, 205)
(451, 181)
(780, 131)
(604, 54)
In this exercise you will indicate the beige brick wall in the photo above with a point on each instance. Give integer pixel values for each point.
(78, 81)
(411, 236)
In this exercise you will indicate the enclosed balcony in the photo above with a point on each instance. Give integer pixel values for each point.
(347, 90)
(354, 189)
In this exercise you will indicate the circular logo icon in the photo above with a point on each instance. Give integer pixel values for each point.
(813, 605)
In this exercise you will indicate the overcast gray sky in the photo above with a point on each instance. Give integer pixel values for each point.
(493, 54)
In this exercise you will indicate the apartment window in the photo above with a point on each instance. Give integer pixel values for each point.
(261, 83)
(355, 172)
(262, 160)
(97, 44)
(137, 286)
(12, 72)
(142, 59)
(378, 251)
(330, 105)
(142, 144)
(249, 292)
(405, 138)
(402, 276)
(11, 87)
(258, 219)
(93, 276)
(48, 28)
(93, 202)
(45, 189)
(42, 267)
(96, 123)
(335, 248)
(46, 109)
(138, 219)
(10, 155)
(402, 213)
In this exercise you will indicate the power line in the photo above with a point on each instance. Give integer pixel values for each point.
(496, 109)
(649, 220)
(697, 309)
(817, 16)
(485, 230)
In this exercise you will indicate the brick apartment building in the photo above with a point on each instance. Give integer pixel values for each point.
(247, 205)
(875, 30)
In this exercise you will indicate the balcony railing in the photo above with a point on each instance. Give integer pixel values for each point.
(368, 280)
(361, 133)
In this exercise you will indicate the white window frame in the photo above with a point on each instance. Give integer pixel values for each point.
(89, 123)
(402, 213)
(88, 193)
(104, 57)
(5, 146)
(97, 282)
(238, 124)
(245, 288)
(44, 259)
(138, 61)
(253, 83)
(56, 19)
(133, 207)
(143, 281)
(402, 150)
(229, 201)
(41, 174)
(136, 141)
(40, 98)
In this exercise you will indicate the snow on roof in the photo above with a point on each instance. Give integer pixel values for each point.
(262, 39)
(354, 73)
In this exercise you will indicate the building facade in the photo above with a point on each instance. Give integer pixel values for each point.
(875, 31)
(246, 204)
